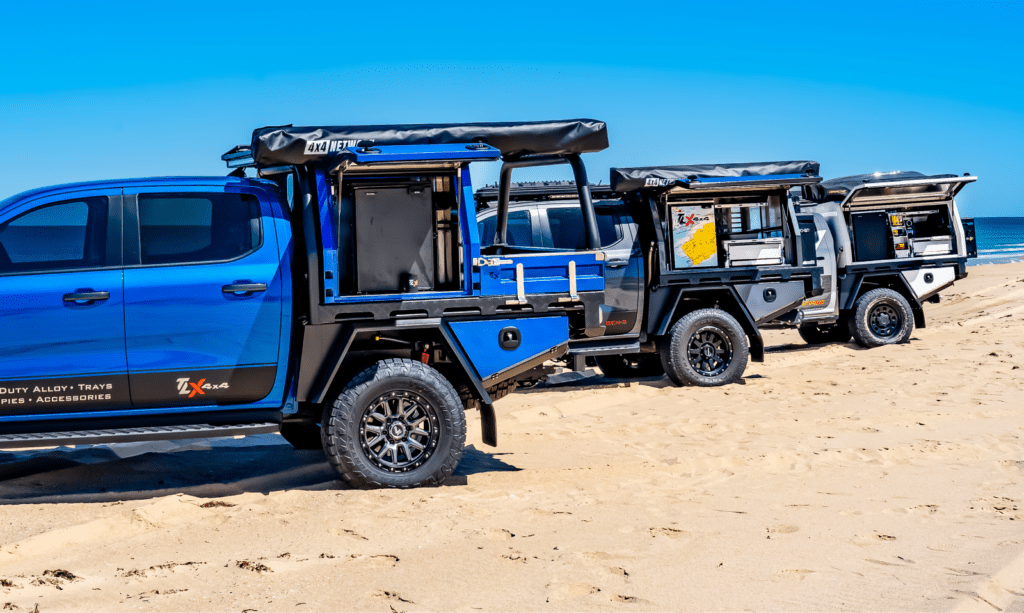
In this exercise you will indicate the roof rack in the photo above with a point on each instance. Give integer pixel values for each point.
(540, 191)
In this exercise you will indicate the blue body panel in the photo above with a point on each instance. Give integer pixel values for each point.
(45, 337)
(744, 178)
(480, 340)
(543, 273)
(328, 235)
(178, 315)
(470, 235)
(411, 153)
(175, 319)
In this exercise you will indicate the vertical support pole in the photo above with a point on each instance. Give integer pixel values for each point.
(579, 172)
(579, 363)
(504, 191)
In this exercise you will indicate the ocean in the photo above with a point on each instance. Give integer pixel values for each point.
(1000, 240)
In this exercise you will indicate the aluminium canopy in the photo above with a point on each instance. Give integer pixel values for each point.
(879, 186)
(692, 176)
(288, 145)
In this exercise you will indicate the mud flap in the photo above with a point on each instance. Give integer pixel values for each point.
(488, 424)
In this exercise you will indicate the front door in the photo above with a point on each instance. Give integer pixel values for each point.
(61, 306)
(202, 297)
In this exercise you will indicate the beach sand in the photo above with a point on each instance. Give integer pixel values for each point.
(832, 478)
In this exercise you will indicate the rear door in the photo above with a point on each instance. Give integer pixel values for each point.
(61, 305)
(202, 296)
(522, 231)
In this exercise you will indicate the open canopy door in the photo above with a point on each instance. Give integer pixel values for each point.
(904, 191)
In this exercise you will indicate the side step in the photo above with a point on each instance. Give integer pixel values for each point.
(601, 346)
(132, 435)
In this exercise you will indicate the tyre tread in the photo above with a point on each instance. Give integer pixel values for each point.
(859, 327)
(338, 418)
(673, 352)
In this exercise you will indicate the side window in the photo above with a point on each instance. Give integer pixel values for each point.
(566, 225)
(61, 236)
(194, 228)
(519, 234)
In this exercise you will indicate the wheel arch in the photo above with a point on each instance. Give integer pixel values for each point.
(890, 280)
(331, 358)
(333, 353)
(725, 298)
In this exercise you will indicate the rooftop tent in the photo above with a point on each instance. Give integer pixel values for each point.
(697, 176)
(875, 188)
(289, 145)
(520, 144)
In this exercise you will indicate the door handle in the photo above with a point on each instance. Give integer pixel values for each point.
(244, 288)
(87, 296)
(616, 263)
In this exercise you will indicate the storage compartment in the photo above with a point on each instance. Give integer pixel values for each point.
(871, 237)
(937, 245)
(728, 231)
(753, 252)
(901, 233)
(394, 231)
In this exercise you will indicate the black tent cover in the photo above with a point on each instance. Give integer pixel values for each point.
(838, 189)
(287, 145)
(629, 179)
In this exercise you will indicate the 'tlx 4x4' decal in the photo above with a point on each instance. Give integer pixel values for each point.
(187, 387)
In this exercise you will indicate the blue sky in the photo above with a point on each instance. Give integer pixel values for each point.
(138, 89)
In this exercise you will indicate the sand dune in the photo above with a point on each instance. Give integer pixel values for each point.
(832, 478)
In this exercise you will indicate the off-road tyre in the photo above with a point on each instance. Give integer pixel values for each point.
(302, 436)
(706, 348)
(348, 423)
(631, 366)
(496, 392)
(501, 390)
(881, 317)
(819, 335)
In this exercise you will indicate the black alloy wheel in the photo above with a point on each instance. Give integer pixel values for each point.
(881, 317)
(706, 347)
(709, 351)
(399, 431)
(885, 322)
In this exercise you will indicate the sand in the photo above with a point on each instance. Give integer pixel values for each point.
(833, 478)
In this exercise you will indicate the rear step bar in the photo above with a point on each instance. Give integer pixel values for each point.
(132, 435)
